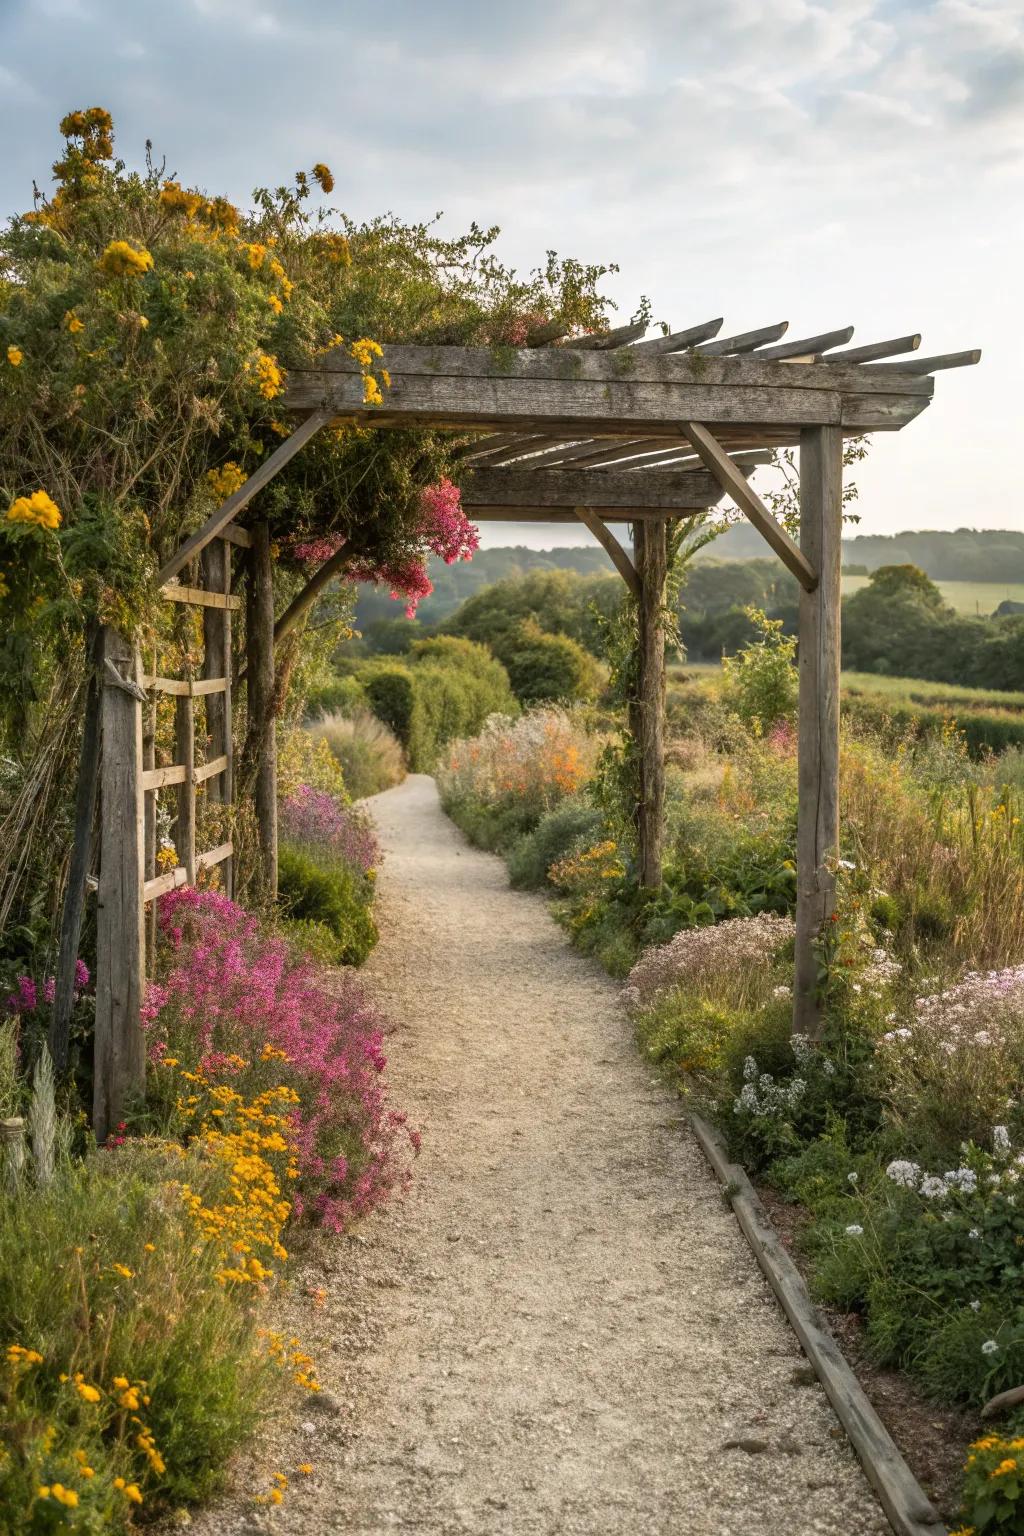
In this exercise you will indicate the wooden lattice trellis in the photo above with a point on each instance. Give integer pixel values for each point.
(601, 430)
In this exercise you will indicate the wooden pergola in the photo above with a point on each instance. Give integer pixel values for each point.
(601, 430)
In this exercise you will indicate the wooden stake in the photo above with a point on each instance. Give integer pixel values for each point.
(821, 528)
(185, 757)
(650, 551)
(120, 1067)
(262, 733)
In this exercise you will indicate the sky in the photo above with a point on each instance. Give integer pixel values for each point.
(847, 162)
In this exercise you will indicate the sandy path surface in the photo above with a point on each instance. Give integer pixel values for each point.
(562, 1329)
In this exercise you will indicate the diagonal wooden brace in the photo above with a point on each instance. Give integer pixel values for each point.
(718, 462)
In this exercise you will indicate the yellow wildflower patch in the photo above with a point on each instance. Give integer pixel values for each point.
(15, 356)
(120, 259)
(39, 508)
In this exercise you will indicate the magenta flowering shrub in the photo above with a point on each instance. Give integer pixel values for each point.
(445, 527)
(314, 817)
(26, 998)
(238, 1006)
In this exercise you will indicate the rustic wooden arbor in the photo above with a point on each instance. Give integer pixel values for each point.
(600, 429)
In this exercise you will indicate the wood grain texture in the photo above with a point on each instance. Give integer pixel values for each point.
(185, 753)
(821, 528)
(907, 1507)
(647, 709)
(198, 597)
(612, 548)
(262, 741)
(746, 498)
(119, 1056)
(661, 490)
(215, 564)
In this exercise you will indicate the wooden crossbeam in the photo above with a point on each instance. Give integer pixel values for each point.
(745, 342)
(678, 341)
(229, 509)
(928, 364)
(874, 350)
(173, 878)
(614, 550)
(599, 489)
(746, 498)
(808, 345)
(160, 778)
(566, 396)
(604, 342)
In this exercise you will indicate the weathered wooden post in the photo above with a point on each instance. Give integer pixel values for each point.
(262, 733)
(650, 548)
(215, 563)
(821, 528)
(120, 1063)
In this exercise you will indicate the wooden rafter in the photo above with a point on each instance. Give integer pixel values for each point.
(614, 550)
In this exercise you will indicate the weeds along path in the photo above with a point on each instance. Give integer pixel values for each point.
(566, 1330)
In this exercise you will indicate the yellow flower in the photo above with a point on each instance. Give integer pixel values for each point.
(73, 323)
(15, 356)
(86, 1392)
(42, 1493)
(124, 1271)
(275, 303)
(1009, 1465)
(256, 255)
(122, 260)
(276, 1496)
(323, 175)
(306, 1468)
(365, 350)
(269, 376)
(132, 1494)
(38, 508)
(225, 481)
(177, 200)
(120, 1382)
(371, 391)
(150, 1247)
(64, 1495)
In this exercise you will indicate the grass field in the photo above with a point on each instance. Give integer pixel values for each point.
(896, 691)
(978, 597)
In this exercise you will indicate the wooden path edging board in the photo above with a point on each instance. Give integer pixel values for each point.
(907, 1507)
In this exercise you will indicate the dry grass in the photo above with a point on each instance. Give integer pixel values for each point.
(370, 755)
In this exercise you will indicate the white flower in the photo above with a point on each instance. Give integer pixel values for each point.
(975, 1306)
(933, 1188)
(1000, 1138)
(974, 1232)
(847, 864)
(990, 1347)
(852, 1178)
(854, 1230)
(904, 1173)
(782, 991)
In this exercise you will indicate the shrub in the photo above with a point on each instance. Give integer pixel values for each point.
(731, 962)
(345, 696)
(318, 821)
(761, 680)
(994, 1485)
(555, 835)
(448, 689)
(110, 1305)
(545, 668)
(241, 1009)
(330, 894)
(530, 764)
(367, 750)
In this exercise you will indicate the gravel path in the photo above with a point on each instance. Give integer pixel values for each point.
(562, 1330)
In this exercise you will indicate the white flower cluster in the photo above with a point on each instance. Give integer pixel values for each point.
(762, 1095)
(934, 1186)
(696, 955)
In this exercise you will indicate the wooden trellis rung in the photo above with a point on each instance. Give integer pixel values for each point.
(160, 778)
(199, 596)
(172, 879)
(179, 686)
(210, 770)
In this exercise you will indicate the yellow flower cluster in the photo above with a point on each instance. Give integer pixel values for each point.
(65, 1496)
(270, 375)
(123, 260)
(225, 481)
(73, 323)
(221, 217)
(15, 356)
(364, 351)
(245, 1138)
(39, 508)
(290, 1355)
(322, 173)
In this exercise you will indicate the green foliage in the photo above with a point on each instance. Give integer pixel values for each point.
(994, 1485)
(342, 696)
(760, 681)
(447, 688)
(545, 668)
(166, 1320)
(571, 826)
(559, 602)
(328, 893)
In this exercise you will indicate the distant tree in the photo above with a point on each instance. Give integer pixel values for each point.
(543, 667)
